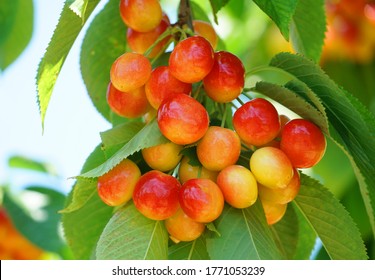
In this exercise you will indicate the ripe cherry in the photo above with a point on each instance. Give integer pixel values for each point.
(191, 59)
(132, 104)
(162, 85)
(226, 79)
(303, 142)
(130, 71)
(182, 119)
(206, 30)
(238, 186)
(140, 42)
(163, 157)
(141, 15)
(116, 187)
(281, 195)
(256, 122)
(271, 167)
(219, 148)
(156, 195)
(182, 228)
(274, 211)
(201, 199)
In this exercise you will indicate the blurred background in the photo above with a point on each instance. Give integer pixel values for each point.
(35, 165)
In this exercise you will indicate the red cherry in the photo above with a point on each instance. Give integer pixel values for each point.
(303, 142)
(156, 195)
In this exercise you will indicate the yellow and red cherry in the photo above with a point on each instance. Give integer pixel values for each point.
(226, 79)
(116, 186)
(256, 122)
(201, 199)
(191, 59)
(162, 85)
(182, 119)
(130, 71)
(219, 148)
(238, 186)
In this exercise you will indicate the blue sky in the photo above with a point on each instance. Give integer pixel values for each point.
(72, 124)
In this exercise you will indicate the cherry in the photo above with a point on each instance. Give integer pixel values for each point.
(219, 148)
(274, 211)
(206, 30)
(256, 122)
(156, 195)
(130, 71)
(226, 79)
(186, 171)
(303, 142)
(191, 59)
(140, 42)
(281, 195)
(116, 186)
(163, 157)
(201, 199)
(182, 119)
(238, 185)
(162, 84)
(141, 15)
(182, 228)
(271, 167)
(132, 104)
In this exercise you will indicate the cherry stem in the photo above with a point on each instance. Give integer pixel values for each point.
(185, 14)
(223, 121)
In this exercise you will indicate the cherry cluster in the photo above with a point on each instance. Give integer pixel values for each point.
(185, 193)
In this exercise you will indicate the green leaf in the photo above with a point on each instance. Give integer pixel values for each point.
(148, 136)
(131, 236)
(352, 126)
(41, 225)
(65, 34)
(16, 28)
(294, 102)
(198, 12)
(308, 27)
(103, 43)
(193, 250)
(31, 164)
(286, 233)
(84, 189)
(82, 228)
(120, 134)
(244, 235)
(330, 221)
(216, 6)
(280, 12)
